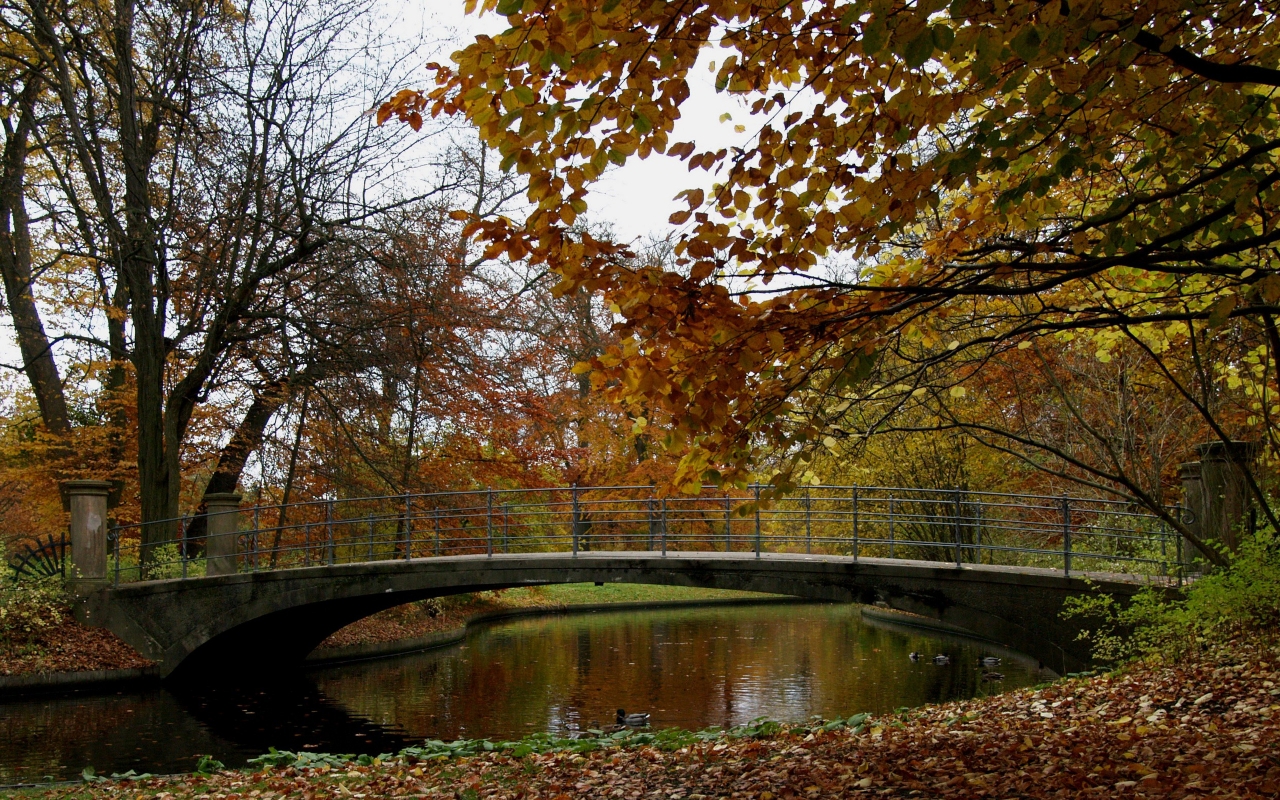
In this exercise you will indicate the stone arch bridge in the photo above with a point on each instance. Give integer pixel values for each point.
(261, 596)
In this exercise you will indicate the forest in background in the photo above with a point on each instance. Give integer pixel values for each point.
(222, 272)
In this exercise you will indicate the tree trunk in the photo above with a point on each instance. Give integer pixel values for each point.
(246, 439)
(15, 265)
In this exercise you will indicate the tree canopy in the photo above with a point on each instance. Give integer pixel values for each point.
(936, 202)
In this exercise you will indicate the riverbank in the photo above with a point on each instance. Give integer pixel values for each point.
(1206, 726)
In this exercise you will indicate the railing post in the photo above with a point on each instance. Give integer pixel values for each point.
(1181, 565)
(408, 526)
(506, 520)
(663, 532)
(182, 547)
(977, 531)
(306, 543)
(257, 528)
(1066, 536)
(114, 536)
(87, 502)
(959, 555)
(756, 486)
(891, 512)
(854, 499)
(328, 534)
(728, 524)
(435, 522)
(223, 527)
(370, 537)
(808, 522)
(488, 530)
(574, 514)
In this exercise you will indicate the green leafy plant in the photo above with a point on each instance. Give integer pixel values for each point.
(1241, 598)
(28, 607)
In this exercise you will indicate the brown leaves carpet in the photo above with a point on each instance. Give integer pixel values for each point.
(1205, 728)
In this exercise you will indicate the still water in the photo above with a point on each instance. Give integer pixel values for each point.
(689, 668)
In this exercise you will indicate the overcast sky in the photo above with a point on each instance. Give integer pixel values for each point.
(635, 199)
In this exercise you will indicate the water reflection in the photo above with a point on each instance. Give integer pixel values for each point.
(690, 668)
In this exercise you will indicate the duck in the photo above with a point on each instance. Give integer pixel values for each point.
(941, 660)
(637, 720)
(913, 655)
(992, 677)
(989, 661)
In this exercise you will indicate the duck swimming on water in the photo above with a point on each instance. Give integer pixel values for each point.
(913, 655)
(636, 720)
(989, 661)
(941, 660)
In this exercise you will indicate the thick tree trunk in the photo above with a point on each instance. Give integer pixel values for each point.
(15, 265)
(246, 439)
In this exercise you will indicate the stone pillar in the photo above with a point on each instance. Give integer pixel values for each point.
(1226, 496)
(1193, 502)
(223, 541)
(87, 502)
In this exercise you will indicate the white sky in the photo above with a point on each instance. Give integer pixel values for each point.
(636, 199)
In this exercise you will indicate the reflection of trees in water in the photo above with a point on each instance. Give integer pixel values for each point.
(288, 712)
(59, 736)
(691, 668)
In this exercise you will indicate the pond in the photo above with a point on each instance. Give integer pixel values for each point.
(688, 667)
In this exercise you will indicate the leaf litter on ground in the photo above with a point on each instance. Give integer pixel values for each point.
(1203, 727)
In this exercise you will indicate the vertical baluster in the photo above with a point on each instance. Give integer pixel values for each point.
(1066, 536)
(506, 519)
(756, 487)
(573, 512)
(408, 526)
(854, 501)
(663, 533)
(256, 530)
(182, 553)
(978, 531)
(115, 550)
(728, 524)
(328, 531)
(435, 522)
(891, 513)
(959, 555)
(306, 544)
(370, 537)
(1164, 550)
(808, 522)
(1178, 543)
(488, 524)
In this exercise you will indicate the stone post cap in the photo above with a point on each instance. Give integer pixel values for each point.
(1189, 469)
(86, 487)
(1228, 451)
(224, 501)
(80, 488)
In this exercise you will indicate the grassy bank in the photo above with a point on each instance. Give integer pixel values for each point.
(1206, 726)
(450, 613)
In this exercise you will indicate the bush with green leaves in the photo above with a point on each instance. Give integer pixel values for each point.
(28, 606)
(1241, 598)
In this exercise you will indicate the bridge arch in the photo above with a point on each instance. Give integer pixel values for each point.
(226, 626)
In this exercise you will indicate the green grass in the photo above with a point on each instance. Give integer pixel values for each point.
(579, 594)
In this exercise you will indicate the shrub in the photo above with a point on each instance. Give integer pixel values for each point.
(28, 607)
(1242, 598)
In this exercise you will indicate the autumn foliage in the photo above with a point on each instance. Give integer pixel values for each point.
(1045, 226)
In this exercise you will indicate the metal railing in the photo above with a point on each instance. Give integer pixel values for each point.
(1073, 534)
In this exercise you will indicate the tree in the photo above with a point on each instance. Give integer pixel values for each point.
(197, 158)
(1020, 171)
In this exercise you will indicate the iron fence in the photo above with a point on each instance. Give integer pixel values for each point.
(1073, 534)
